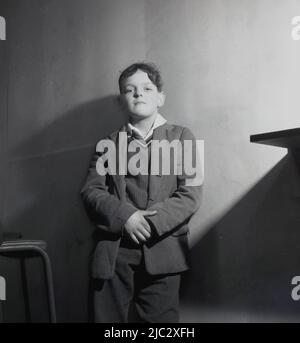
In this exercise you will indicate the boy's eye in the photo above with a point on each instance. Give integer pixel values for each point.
(128, 90)
(148, 89)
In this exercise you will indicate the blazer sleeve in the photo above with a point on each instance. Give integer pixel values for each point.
(107, 211)
(184, 202)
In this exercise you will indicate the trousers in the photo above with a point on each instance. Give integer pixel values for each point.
(155, 297)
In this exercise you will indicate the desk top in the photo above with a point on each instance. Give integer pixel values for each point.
(286, 138)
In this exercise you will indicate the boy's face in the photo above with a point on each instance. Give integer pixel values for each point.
(140, 96)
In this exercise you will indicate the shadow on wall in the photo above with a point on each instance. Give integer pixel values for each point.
(79, 127)
(242, 269)
(45, 176)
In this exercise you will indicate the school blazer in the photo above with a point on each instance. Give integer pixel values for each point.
(175, 202)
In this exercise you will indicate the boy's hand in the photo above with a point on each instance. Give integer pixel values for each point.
(137, 226)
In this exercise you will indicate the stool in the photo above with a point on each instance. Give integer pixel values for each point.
(14, 247)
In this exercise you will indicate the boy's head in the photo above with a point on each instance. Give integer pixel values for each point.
(141, 89)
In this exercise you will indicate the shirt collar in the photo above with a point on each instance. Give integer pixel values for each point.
(158, 121)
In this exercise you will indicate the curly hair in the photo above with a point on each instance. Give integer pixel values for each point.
(149, 68)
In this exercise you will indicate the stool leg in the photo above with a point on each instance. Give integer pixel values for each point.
(50, 287)
(1, 313)
(25, 290)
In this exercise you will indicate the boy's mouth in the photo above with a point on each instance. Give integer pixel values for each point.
(139, 102)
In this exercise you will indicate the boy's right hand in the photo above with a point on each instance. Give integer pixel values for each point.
(137, 226)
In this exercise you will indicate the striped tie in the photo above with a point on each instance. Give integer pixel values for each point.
(135, 135)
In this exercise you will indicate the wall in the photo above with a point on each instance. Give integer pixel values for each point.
(231, 70)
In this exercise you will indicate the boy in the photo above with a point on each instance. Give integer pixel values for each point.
(141, 217)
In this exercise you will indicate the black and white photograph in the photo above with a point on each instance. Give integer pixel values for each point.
(150, 164)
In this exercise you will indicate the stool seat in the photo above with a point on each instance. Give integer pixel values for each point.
(22, 243)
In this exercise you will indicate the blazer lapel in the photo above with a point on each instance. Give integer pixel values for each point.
(119, 180)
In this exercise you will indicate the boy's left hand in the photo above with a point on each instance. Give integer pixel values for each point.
(137, 227)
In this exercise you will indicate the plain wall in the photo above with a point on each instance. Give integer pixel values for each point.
(230, 69)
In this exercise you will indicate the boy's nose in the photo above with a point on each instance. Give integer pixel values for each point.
(138, 93)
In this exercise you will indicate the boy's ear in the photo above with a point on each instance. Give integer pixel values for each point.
(161, 99)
